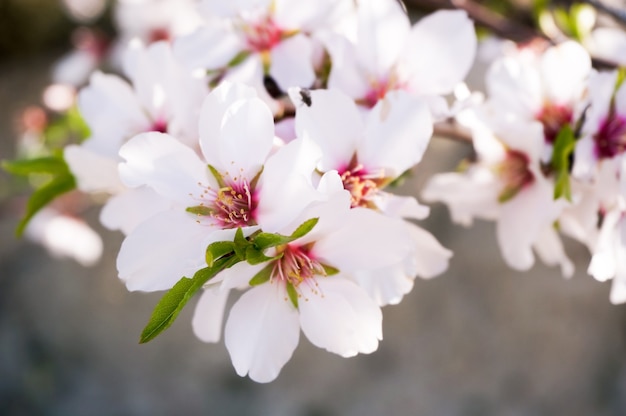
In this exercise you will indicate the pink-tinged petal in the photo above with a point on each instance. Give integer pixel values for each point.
(366, 240)
(397, 132)
(232, 8)
(246, 138)
(330, 119)
(164, 164)
(238, 276)
(127, 209)
(292, 63)
(385, 286)
(400, 206)
(470, 195)
(93, 172)
(564, 69)
(340, 317)
(209, 313)
(440, 51)
(212, 113)
(604, 265)
(161, 250)
(262, 332)
(113, 113)
(345, 73)
(584, 159)
(286, 186)
(550, 250)
(383, 27)
(526, 137)
(209, 47)
(521, 221)
(515, 86)
(431, 258)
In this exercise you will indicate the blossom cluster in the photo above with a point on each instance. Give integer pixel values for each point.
(249, 149)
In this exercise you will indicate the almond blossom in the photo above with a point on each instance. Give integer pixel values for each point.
(428, 58)
(162, 97)
(307, 285)
(368, 155)
(507, 185)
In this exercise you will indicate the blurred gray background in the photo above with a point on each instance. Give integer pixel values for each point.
(479, 340)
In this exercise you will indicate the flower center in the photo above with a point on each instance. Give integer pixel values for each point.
(296, 265)
(159, 34)
(230, 206)
(610, 140)
(262, 35)
(515, 174)
(362, 184)
(379, 87)
(554, 117)
(159, 125)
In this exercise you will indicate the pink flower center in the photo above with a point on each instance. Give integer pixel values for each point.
(610, 140)
(362, 184)
(554, 117)
(379, 89)
(230, 206)
(515, 174)
(297, 265)
(159, 125)
(262, 35)
(159, 34)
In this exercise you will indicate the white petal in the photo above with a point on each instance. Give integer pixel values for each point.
(550, 250)
(340, 317)
(431, 258)
(397, 132)
(208, 315)
(332, 121)
(286, 186)
(292, 63)
(515, 86)
(164, 164)
(440, 51)
(366, 240)
(262, 332)
(385, 286)
(210, 47)
(401, 206)
(126, 210)
(382, 31)
(93, 172)
(565, 68)
(161, 250)
(345, 73)
(246, 138)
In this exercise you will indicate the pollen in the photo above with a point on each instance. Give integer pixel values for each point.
(362, 184)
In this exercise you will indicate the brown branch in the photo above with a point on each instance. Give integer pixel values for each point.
(485, 17)
(451, 130)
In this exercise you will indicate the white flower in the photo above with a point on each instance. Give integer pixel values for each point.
(548, 88)
(368, 155)
(163, 97)
(310, 287)
(428, 59)
(507, 185)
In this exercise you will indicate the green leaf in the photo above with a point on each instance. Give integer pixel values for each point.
(199, 210)
(218, 177)
(263, 276)
(507, 194)
(241, 244)
(563, 147)
(217, 250)
(293, 295)
(170, 305)
(239, 58)
(43, 196)
(256, 256)
(330, 270)
(304, 228)
(267, 240)
(48, 164)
